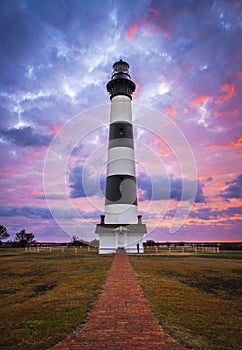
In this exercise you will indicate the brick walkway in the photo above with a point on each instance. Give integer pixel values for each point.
(120, 318)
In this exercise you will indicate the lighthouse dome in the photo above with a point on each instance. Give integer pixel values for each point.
(121, 67)
(120, 83)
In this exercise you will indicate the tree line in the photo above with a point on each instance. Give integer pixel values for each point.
(22, 238)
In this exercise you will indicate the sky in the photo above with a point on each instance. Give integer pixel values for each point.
(185, 58)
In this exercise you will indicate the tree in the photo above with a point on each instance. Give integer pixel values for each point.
(75, 240)
(3, 234)
(24, 238)
(150, 243)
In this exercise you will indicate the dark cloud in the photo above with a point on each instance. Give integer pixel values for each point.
(199, 198)
(157, 187)
(205, 214)
(25, 137)
(208, 213)
(77, 150)
(16, 29)
(31, 212)
(85, 183)
(76, 185)
(35, 212)
(233, 211)
(234, 188)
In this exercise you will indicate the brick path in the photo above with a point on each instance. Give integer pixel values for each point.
(120, 318)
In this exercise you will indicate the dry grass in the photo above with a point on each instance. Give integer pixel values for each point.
(197, 299)
(44, 296)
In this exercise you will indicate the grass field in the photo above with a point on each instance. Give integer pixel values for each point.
(44, 296)
(197, 299)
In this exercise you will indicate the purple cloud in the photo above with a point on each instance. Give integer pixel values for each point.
(25, 137)
(234, 188)
(53, 196)
(27, 211)
(209, 214)
(35, 212)
(157, 187)
(85, 183)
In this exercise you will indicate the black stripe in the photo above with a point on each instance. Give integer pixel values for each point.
(120, 130)
(121, 143)
(121, 189)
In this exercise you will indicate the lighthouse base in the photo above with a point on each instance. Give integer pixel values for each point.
(125, 237)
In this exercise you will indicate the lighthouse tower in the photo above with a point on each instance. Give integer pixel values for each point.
(121, 227)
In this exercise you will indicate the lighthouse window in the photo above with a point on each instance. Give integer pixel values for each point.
(121, 131)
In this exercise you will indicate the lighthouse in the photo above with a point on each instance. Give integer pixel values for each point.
(121, 227)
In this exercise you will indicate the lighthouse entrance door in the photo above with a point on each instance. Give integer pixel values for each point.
(121, 240)
(121, 237)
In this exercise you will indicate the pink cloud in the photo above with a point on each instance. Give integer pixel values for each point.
(227, 113)
(154, 11)
(237, 143)
(164, 31)
(229, 91)
(198, 101)
(224, 146)
(151, 25)
(7, 170)
(239, 74)
(160, 147)
(132, 31)
(171, 111)
(54, 128)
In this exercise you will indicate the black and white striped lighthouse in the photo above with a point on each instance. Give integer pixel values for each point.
(120, 226)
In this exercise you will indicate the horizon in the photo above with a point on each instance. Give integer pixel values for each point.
(145, 241)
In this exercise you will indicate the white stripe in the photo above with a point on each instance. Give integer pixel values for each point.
(121, 167)
(121, 161)
(121, 214)
(121, 109)
(120, 152)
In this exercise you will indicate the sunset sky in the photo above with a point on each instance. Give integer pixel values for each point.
(186, 60)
